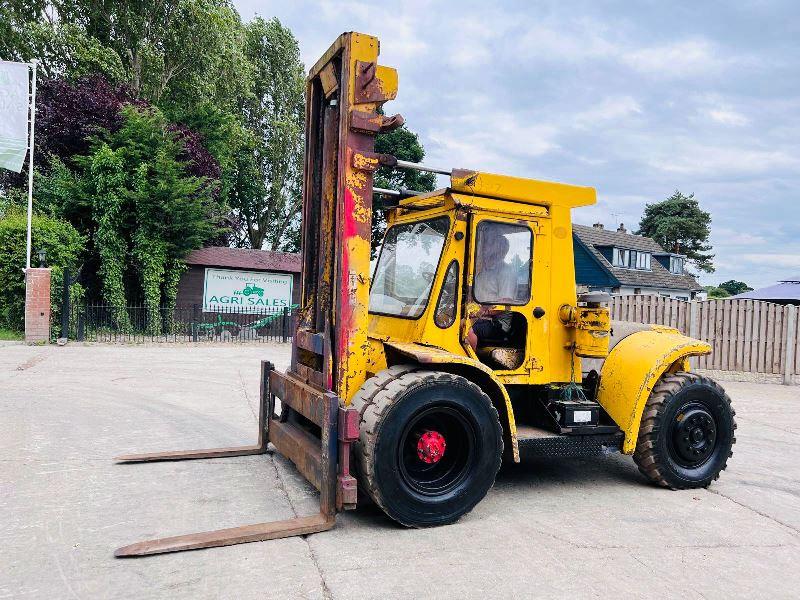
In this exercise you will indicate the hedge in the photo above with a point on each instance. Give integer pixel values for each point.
(63, 246)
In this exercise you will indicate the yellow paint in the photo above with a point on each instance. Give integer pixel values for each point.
(388, 81)
(592, 329)
(529, 191)
(360, 212)
(361, 161)
(632, 369)
(356, 179)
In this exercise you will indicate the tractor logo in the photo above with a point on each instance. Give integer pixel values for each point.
(252, 288)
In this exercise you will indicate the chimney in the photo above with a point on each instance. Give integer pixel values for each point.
(621, 228)
(598, 226)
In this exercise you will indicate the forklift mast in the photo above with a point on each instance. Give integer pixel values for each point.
(344, 91)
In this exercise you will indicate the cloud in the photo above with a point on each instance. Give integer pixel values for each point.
(774, 259)
(690, 157)
(727, 116)
(609, 109)
(574, 41)
(676, 59)
(740, 237)
(586, 40)
(492, 141)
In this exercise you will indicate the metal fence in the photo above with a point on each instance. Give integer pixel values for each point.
(747, 336)
(102, 323)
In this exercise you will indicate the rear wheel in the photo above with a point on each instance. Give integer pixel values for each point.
(430, 444)
(687, 432)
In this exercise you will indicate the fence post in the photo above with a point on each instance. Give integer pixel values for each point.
(194, 323)
(66, 279)
(694, 319)
(285, 327)
(81, 333)
(791, 344)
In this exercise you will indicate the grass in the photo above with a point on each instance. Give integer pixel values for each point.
(7, 334)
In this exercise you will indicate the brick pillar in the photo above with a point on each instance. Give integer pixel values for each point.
(37, 305)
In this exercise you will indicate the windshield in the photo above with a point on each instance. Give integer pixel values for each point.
(406, 268)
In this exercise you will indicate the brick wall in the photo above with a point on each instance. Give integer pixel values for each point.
(37, 305)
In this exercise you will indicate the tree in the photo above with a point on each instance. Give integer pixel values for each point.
(403, 144)
(69, 114)
(173, 53)
(679, 225)
(107, 172)
(267, 183)
(734, 287)
(716, 293)
(173, 209)
(45, 30)
(136, 195)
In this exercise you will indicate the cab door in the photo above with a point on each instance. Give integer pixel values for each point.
(503, 289)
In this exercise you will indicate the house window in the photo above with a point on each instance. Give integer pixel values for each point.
(637, 291)
(631, 259)
(621, 257)
(676, 264)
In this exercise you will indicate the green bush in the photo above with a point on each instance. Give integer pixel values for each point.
(145, 210)
(63, 246)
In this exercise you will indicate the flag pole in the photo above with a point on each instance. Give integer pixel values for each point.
(34, 66)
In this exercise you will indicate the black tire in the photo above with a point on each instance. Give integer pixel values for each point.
(402, 406)
(686, 433)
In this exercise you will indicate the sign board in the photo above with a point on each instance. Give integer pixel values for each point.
(14, 109)
(246, 291)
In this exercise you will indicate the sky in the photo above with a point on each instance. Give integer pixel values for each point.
(636, 99)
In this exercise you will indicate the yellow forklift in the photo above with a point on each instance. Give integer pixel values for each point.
(466, 346)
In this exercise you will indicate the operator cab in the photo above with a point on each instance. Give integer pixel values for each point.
(424, 263)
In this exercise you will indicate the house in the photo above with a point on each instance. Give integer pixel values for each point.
(786, 291)
(621, 263)
(239, 279)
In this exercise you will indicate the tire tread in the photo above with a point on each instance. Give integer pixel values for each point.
(377, 397)
(646, 454)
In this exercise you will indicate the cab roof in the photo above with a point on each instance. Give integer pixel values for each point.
(514, 189)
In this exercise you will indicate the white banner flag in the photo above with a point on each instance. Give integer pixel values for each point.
(14, 112)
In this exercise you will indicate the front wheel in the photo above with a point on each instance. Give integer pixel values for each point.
(687, 432)
(429, 447)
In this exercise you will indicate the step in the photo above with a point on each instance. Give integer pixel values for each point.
(538, 442)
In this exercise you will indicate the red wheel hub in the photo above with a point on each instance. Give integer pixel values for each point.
(430, 447)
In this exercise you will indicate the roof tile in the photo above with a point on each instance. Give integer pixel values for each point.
(245, 258)
(658, 277)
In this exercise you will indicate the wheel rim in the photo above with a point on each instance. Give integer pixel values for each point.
(694, 435)
(436, 450)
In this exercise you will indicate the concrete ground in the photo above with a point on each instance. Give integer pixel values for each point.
(558, 528)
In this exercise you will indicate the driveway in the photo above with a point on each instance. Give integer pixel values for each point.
(555, 528)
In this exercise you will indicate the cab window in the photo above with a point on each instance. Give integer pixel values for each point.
(446, 307)
(406, 268)
(502, 263)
